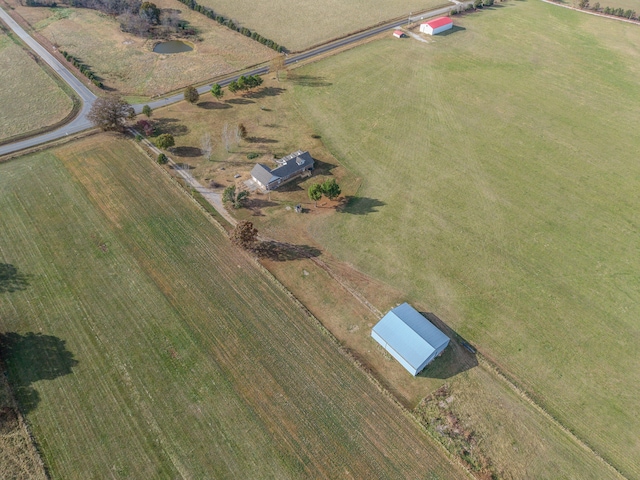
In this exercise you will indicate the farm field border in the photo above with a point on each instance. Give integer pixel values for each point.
(154, 378)
(458, 302)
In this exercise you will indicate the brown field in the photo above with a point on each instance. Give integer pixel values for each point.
(30, 98)
(126, 62)
(310, 22)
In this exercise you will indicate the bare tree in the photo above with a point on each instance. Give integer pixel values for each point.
(206, 146)
(226, 136)
(110, 113)
(277, 65)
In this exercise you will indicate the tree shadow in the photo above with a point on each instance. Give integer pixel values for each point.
(261, 140)
(359, 205)
(30, 358)
(11, 280)
(310, 81)
(186, 151)
(239, 101)
(284, 252)
(265, 92)
(214, 105)
(170, 125)
(458, 357)
(257, 204)
(182, 166)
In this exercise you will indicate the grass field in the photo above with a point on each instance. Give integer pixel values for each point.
(126, 63)
(29, 98)
(311, 22)
(161, 351)
(504, 161)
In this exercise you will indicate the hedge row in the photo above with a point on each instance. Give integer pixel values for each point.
(227, 22)
(84, 69)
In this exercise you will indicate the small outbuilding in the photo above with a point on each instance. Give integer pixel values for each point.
(410, 338)
(437, 25)
(398, 34)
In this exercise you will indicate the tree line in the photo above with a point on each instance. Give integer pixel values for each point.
(84, 69)
(616, 12)
(227, 22)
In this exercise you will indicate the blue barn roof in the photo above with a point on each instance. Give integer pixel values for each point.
(409, 337)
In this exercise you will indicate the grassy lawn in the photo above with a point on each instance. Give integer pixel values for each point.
(159, 350)
(127, 63)
(311, 22)
(504, 160)
(30, 98)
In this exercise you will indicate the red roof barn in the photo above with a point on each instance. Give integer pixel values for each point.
(436, 26)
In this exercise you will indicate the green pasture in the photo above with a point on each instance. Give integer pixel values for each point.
(141, 344)
(500, 189)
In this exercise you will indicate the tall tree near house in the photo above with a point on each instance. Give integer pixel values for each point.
(205, 146)
(165, 141)
(110, 113)
(331, 189)
(315, 193)
(191, 95)
(216, 91)
(244, 235)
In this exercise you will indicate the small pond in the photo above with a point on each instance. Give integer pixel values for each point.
(174, 46)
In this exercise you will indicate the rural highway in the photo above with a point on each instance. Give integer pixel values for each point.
(80, 122)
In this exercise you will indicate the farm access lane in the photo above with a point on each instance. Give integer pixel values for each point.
(80, 122)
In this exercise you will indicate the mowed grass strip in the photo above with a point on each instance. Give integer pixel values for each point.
(307, 22)
(29, 98)
(180, 358)
(506, 157)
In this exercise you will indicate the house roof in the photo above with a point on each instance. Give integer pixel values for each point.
(292, 163)
(410, 335)
(438, 22)
(263, 174)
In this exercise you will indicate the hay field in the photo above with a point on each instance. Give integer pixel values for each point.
(126, 63)
(308, 22)
(159, 350)
(30, 98)
(506, 159)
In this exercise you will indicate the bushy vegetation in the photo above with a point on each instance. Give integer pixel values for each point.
(245, 83)
(227, 22)
(84, 69)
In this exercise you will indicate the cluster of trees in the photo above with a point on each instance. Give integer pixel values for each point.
(329, 189)
(618, 12)
(234, 196)
(136, 17)
(245, 83)
(84, 69)
(227, 22)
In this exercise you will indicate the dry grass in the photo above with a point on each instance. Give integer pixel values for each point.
(29, 98)
(310, 22)
(19, 460)
(126, 62)
(171, 343)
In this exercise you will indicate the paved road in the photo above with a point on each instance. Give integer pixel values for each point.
(81, 123)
